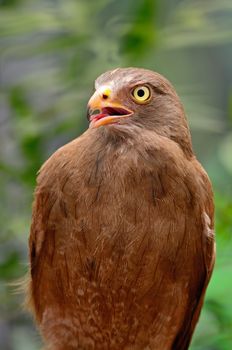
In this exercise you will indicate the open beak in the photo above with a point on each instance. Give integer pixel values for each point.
(103, 110)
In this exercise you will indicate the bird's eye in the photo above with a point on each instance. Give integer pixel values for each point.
(141, 94)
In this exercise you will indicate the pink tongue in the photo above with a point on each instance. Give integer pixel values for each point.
(98, 116)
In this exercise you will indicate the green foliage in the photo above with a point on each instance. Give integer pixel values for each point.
(140, 35)
(50, 53)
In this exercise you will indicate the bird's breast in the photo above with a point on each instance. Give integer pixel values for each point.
(120, 213)
(117, 240)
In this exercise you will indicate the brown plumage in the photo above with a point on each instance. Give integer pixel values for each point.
(122, 243)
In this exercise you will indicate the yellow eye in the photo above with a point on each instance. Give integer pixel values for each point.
(141, 94)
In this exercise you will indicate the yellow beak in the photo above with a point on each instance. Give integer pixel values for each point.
(111, 111)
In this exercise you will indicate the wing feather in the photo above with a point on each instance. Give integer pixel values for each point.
(184, 335)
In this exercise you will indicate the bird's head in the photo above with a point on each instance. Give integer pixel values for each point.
(138, 99)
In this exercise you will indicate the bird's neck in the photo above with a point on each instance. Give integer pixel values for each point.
(127, 137)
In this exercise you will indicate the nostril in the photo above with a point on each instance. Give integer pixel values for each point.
(104, 96)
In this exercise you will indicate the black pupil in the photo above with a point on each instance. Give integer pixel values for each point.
(141, 93)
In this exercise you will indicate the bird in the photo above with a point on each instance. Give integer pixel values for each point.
(122, 242)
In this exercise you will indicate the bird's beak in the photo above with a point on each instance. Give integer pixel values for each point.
(108, 110)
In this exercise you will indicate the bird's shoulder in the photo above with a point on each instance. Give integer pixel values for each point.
(205, 198)
(58, 162)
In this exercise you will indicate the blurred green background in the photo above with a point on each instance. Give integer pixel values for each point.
(50, 54)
